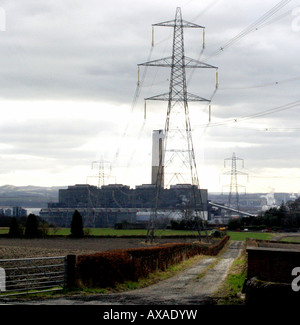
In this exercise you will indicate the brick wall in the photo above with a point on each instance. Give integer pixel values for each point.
(272, 264)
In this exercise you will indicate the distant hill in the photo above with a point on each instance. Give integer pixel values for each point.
(28, 196)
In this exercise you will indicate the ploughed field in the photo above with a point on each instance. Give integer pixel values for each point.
(62, 246)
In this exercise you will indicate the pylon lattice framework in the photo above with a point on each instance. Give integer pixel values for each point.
(233, 198)
(178, 145)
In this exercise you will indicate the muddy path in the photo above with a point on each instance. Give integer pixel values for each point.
(186, 288)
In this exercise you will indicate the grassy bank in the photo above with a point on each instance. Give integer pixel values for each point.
(230, 291)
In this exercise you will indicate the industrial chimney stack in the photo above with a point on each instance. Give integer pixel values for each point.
(157, 157)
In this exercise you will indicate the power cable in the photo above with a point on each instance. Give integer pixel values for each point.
(208, 7)
(263, 113)
(274, 83)
(252, 27)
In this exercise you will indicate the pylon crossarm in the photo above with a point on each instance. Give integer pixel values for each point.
(192, 63)
(188, 63)
(190, 25)
(168, 23)
(195, 98)
(164, 96)
(241, 173)
(173, 23)
(178, 98)
(164, 62)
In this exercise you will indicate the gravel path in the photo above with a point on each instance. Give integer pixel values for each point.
(186, 288)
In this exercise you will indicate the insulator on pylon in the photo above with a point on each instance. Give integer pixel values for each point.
(203, 44)
(152, 36)
(138, 81)
(145, 110)
(217, 78)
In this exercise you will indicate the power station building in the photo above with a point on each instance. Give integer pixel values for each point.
(115, 203)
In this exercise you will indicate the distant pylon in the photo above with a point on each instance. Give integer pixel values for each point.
(101, 176)
(179, 157)
(233, 198)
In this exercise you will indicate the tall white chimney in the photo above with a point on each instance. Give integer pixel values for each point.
(157, 155)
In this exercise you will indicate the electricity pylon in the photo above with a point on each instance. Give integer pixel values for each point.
(101, 173)
(179, 155)
(233, 199)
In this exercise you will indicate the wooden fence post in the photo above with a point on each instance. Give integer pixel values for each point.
(70, 264)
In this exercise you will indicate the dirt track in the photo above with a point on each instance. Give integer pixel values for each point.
(183, 289)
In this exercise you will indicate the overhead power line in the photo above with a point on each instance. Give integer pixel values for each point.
(272, 110)
(259, 114)
(252, 27)
(267, 84)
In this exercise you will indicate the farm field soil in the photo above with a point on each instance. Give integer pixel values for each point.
(20, 248)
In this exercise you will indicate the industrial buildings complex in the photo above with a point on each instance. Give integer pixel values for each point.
(111, 204)
(114, 203)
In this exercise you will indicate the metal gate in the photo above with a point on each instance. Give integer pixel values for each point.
(31, 275)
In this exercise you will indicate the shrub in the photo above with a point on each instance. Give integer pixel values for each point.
(76, 225)
(104, 269)
(43, 229)
(218, 233)
(31, 230)
(15, 229)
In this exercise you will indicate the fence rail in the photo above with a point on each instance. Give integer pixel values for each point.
(31, 275)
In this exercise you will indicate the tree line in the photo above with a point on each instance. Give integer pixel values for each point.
(284, 217)
(35, 227)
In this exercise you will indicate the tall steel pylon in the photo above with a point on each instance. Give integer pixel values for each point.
(233, 198)
(179, 156)
(101, 176)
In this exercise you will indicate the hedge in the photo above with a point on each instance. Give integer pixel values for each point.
(110, 268)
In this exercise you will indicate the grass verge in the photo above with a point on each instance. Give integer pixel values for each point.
(293, 239)
(230, 291)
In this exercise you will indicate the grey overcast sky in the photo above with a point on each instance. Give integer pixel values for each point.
(68, 82)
